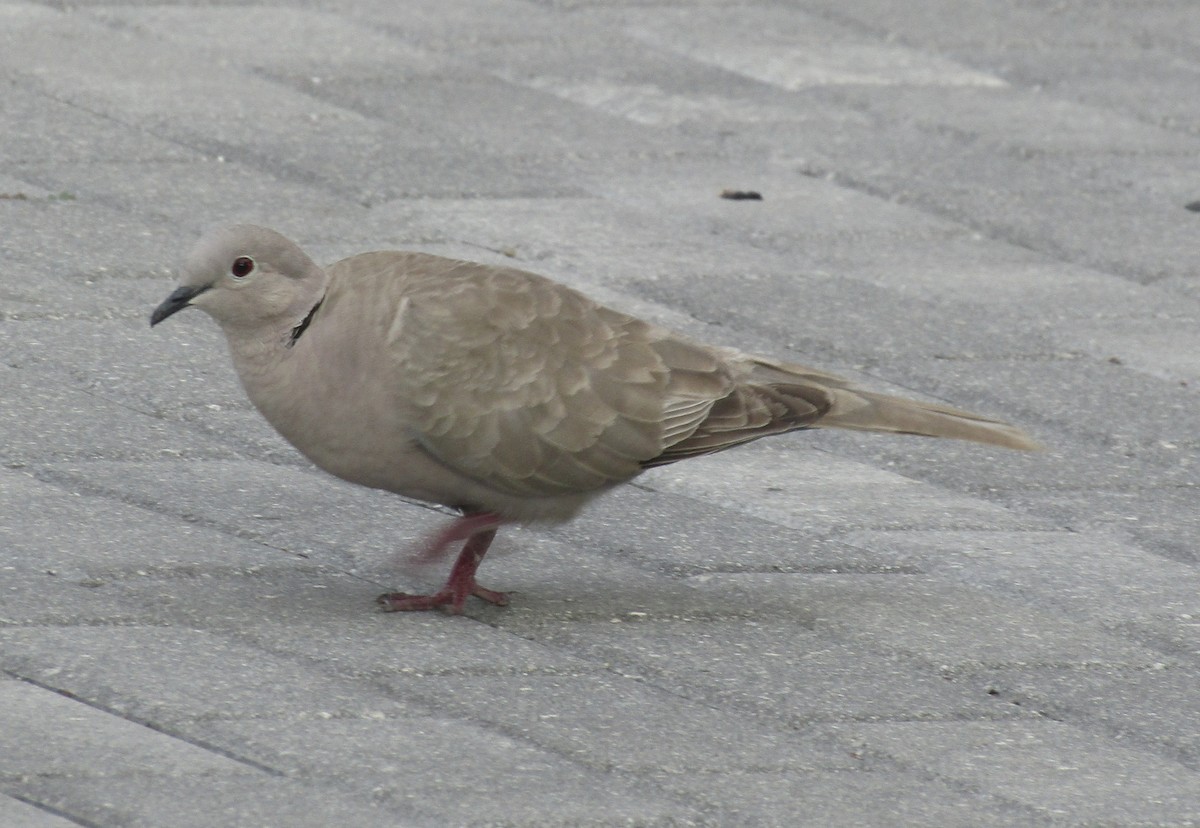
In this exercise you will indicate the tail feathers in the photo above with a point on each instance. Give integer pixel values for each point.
(772, 398)
(851, 407)
(866, 411)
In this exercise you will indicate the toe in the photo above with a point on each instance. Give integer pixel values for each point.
(404, 602)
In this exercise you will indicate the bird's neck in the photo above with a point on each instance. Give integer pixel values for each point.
(265, 356)
(265, 342)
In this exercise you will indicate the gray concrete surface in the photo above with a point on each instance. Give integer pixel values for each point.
(982, 202)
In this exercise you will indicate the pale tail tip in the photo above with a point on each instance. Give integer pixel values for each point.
(1021, 441)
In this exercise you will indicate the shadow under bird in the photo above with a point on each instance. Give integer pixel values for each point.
(495, 391)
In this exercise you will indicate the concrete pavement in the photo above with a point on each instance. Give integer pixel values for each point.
(981, 202)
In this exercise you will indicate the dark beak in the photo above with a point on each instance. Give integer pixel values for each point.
(179, 299)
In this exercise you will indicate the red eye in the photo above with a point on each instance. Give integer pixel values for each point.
(241, 267)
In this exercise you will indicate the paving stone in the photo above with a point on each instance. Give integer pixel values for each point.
(762, 43)
(15, 812)
(261, 501)
(554, 712)
(32, 598)
(1088, 776)
(45, 129)
(679, 533)
(1125, 584)
(252, 798)
(818, 494)
(176, 675)
(1163, 347)
(777, 667)
(328, 619)
(58, 538)
(858, 797)
(48, 734)
(231, 35)
(1003, 115)
(194, 194)
(950, 626)
(1132, 703)
(413, 761)
(46, 420)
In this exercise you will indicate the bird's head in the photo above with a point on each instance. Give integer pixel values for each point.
(248, 278)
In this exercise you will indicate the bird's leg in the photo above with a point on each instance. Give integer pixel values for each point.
(462, 574)
(477, 530)
(460, 529)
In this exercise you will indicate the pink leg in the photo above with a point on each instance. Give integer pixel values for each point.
(459, 529)
(477, 531)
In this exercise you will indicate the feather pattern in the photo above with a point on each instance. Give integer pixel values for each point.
(499, 390)
(534, 390)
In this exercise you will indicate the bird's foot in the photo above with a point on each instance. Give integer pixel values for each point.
(477, 531)
(448, 597)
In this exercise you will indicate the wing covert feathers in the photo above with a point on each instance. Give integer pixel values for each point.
(532, 389)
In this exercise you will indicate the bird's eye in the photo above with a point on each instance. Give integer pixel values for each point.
(242, 267)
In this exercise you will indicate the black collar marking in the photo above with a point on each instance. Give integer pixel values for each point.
(304, 323)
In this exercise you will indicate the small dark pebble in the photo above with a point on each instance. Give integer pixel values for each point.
(741, 195)
(1194, 206)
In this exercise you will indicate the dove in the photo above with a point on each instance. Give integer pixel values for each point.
(498, 392)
